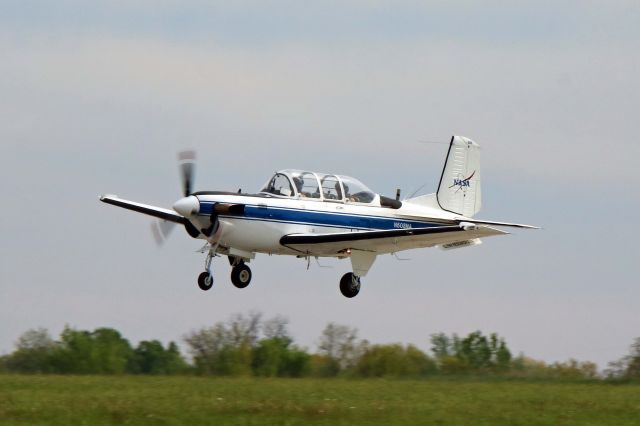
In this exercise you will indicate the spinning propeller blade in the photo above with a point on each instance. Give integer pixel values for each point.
(161, 230)
(187, 163)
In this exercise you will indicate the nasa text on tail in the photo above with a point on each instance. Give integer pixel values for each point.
(308, 214)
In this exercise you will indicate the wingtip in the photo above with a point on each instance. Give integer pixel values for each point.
(497, 223)
(104, 197)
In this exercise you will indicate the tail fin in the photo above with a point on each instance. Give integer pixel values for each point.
(459, 190)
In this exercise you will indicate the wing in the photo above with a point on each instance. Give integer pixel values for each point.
(158, 212)
(386, 241)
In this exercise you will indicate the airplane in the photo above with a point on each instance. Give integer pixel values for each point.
(307, 214)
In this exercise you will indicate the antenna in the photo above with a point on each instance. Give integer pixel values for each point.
(417, 190)
(435, 142)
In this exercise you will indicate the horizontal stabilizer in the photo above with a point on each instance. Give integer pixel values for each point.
(492, 222)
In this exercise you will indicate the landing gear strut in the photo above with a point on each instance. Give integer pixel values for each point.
(205, 279)
(350, 285)
(241, 275)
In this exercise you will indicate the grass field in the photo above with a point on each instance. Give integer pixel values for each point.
(94, 400)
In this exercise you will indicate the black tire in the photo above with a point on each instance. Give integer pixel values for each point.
(205, 281)
(241, 275)
(349, 285)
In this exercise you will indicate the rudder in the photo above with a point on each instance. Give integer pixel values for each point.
(459, 190)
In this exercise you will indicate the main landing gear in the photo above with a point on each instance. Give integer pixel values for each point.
(240, 273)
(350, 285)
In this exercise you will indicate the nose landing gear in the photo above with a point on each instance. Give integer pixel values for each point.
(350, 285)
(205, 279)
(240, 272)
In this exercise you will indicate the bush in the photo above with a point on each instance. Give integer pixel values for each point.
(394, 360)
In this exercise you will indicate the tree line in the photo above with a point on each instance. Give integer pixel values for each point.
(248, 345)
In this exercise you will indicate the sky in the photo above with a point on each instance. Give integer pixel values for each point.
(98, 97)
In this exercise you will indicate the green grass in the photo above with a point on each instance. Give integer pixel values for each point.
(95, 400)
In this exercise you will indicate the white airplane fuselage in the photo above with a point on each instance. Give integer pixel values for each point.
(267, 219)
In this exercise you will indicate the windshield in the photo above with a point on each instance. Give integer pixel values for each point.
(279, 185)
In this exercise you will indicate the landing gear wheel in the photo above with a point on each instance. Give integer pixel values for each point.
(241, 275)
(205, 281)
(349, 285)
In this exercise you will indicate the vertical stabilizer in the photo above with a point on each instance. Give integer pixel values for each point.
(459, 189)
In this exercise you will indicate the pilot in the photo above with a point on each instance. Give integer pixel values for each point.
(338, 191)
(347, 195)
(298, 183)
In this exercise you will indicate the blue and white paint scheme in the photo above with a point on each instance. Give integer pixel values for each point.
(309, 214)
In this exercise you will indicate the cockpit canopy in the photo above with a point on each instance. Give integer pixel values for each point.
(318, 186)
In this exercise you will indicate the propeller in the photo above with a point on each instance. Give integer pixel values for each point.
(161, 229)
(187, 163)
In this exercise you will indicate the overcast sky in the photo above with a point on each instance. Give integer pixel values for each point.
(98, 97)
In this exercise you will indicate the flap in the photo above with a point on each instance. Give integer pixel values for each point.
(385, 241)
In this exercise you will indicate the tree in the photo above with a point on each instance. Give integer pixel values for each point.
(339, 345)
(150, 357)
(627, 367)
(275, 354)
(475, 352)
(103, 351)
(206, 347)
(297, 364)
(33, 354)
(633, 366)
(225, 348)
(276, 327)
(271, 354)
(503, 356)
(112, 352)
(244, 330)
(440, 345)
(75, 353)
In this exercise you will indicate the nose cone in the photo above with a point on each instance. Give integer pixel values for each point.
(187, 206)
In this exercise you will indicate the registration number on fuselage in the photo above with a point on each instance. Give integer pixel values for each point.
(401, 225)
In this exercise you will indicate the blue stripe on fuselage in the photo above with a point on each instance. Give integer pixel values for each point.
(322, 218)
